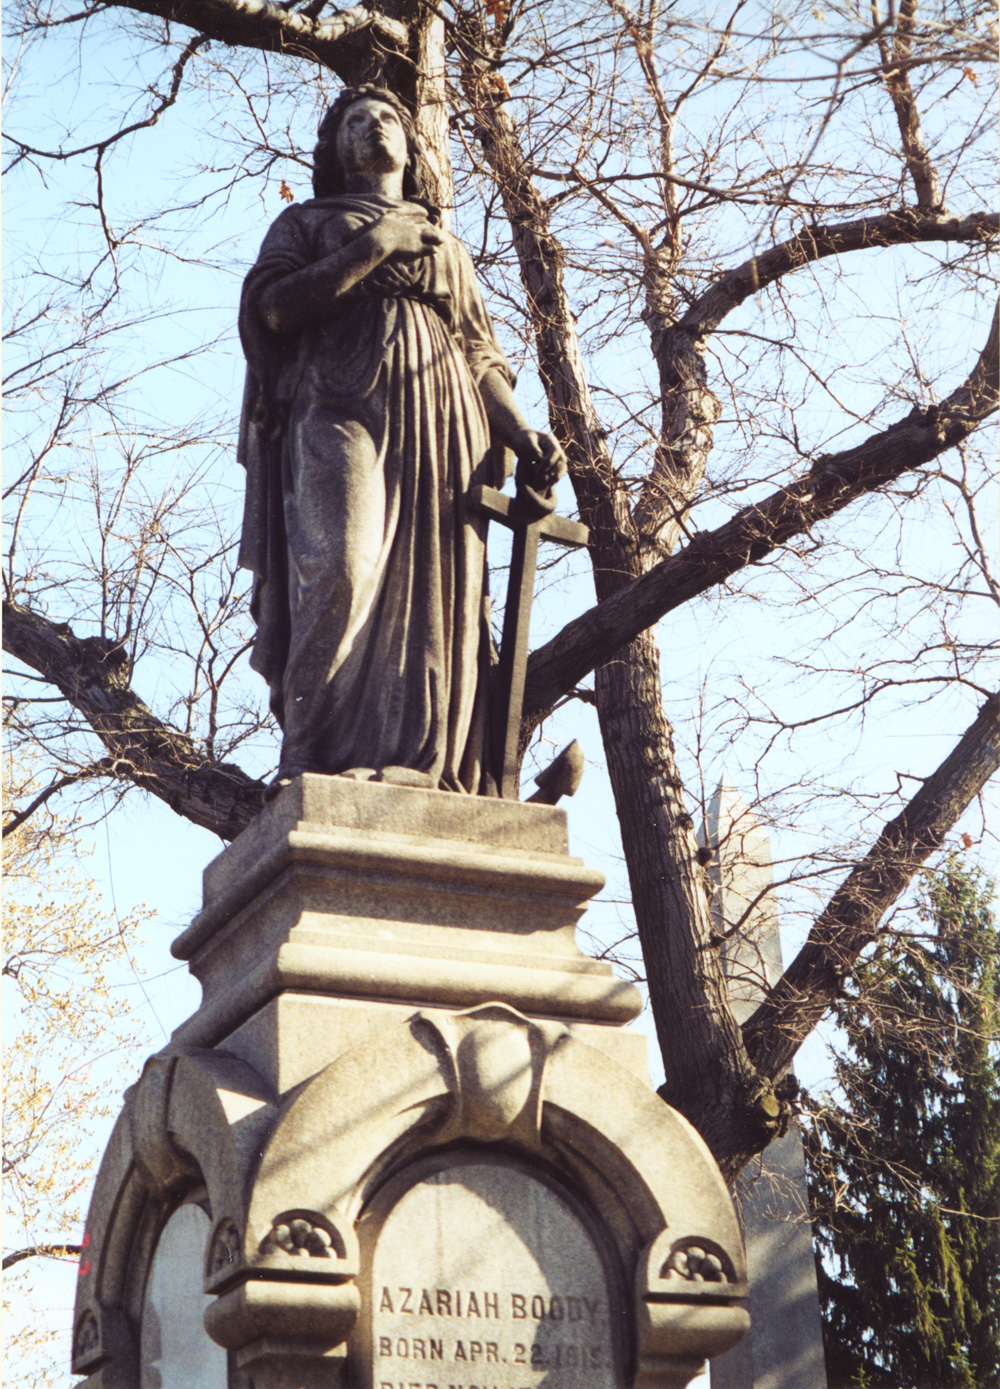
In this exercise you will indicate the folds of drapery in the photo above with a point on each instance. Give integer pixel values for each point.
(361, 436)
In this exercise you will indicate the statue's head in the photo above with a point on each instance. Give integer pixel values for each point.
(328, 171)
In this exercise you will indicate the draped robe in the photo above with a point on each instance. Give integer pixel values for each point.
(361, 435)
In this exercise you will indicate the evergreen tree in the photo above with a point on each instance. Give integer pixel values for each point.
(905, 1167)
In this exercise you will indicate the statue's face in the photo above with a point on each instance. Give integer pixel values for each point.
(371, 137)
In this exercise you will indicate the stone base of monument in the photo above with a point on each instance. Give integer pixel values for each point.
(405, 1142)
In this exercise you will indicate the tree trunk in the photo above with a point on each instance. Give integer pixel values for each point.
(709, 1077)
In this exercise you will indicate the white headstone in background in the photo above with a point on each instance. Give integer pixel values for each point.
(484, 1275)
(784, 1349)
(176, 1351)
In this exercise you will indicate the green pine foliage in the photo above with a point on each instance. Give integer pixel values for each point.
(905, 1165)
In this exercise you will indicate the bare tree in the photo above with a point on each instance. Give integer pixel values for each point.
(746, 252)
(64, 959)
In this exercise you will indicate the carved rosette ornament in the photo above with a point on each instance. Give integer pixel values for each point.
(298, 1237)
(694, 1264)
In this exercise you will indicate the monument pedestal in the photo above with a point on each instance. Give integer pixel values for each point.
(422, 1148)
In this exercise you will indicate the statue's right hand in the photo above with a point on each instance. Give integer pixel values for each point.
(405, 237)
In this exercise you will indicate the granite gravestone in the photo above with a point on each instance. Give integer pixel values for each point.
(428, 1152)
(175, 1350)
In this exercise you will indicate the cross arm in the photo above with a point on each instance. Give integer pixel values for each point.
(499, 507)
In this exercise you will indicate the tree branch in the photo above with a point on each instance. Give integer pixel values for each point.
(897, 83)
(690, 407)
(816, 243)
(603, 504)
(92, 674)
(811, 984)
(164, 104)
(262, 24)
(105, 765)
(832, 483)
(48, 1251)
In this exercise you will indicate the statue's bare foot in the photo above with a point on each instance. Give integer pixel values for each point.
(407, 776)
(360, 774)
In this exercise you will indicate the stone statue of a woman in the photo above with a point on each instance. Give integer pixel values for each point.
(377, 395)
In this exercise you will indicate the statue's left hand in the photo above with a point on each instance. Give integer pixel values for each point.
(540, 460)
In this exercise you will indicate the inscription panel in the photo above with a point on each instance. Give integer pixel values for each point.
(483, 1277)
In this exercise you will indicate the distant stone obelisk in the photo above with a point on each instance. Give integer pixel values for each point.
(784, 1349)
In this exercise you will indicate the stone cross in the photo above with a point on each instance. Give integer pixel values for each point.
(523, 515)
(784, 1349)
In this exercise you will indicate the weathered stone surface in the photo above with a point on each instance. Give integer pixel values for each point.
(317, 802)
(296, 1034)
(292, 1186)
(482, 1272)
(377, 1114)
(374, 905)
(785, 1347)
(743, 897)
(377, 396)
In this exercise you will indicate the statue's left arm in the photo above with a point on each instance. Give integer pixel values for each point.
(539, 453)
(541, 461)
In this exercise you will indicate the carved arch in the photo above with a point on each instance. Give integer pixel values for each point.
(183, 1126)
(283, 1254)
(491, 1075)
